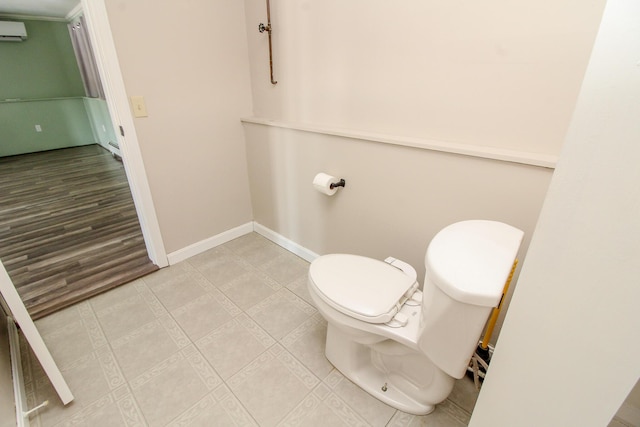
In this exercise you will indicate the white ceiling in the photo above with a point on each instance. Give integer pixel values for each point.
(50, 8)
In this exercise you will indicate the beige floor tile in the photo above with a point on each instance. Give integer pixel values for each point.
(229, 337)
(441, 417)
(123, 316)
(71, 333)
(204, 314)
(286, 268)
(219, 265)
(114, 296)
(69, 343)
(256, 250)
(249, 289)
(272, 385)
(464, 394)
(175, 274)
(323, 408)
(177, 290)
(172, 386)
(147, 346)
(90, 378)
(219, 408)
(368, 407)
(114, 409)
(281, 313)
(307, 344)
(59, 319)
(617, 422)
(300, 288)
(245, 243)
(235, 344)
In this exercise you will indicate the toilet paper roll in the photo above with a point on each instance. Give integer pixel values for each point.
(322, 182)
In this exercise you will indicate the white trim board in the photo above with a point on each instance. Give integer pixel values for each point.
(287, 244)
(234, 233)
(494, 153)
(95, 13)
(209, 243)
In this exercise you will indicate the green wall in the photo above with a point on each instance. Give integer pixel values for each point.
(100, 121)
(43, 66)
(40, 85)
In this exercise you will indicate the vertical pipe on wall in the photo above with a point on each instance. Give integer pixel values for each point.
(262, 28)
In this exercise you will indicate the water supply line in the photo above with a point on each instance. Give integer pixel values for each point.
(262, 28)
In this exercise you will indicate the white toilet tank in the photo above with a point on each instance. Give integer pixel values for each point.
(467, 266)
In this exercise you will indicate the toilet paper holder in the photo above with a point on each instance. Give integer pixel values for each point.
(340, 183)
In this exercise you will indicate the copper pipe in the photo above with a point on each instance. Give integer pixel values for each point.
(262, 28)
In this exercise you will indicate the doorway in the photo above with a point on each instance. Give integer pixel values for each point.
(64, 270)
(68, 226)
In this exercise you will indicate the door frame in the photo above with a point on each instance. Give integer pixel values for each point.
(95, 13)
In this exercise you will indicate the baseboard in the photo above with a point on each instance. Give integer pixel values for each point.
(289, 245)
(211, 242)
(234, 233)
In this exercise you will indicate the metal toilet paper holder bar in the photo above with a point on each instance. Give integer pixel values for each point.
(340, 183)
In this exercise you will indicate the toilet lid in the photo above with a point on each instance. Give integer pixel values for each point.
(364, 288)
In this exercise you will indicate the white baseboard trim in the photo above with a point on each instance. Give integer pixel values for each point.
(289, 245)
(234, 233)
(209, 243)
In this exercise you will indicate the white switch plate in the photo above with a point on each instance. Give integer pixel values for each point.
(139, 108)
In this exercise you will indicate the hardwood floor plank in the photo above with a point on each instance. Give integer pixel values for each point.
(68, 226)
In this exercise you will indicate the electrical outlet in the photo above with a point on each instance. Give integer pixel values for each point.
(38, 128)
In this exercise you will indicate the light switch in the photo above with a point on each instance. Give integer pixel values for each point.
(139, 109)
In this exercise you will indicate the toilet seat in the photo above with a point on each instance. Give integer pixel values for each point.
(363, 288)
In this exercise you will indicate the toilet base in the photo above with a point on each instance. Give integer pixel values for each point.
(391, 372)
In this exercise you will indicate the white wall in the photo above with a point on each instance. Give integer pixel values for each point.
(493, 74)
(189, 60)
(568, 351)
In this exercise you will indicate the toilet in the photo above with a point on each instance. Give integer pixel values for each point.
(402, 344)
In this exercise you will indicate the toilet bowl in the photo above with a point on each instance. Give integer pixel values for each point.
(403, 345)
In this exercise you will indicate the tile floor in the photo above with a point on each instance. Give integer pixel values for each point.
(228, 337)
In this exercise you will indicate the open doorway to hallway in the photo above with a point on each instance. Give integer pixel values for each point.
(68, 225)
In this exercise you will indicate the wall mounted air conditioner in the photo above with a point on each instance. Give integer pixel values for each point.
(12, 31)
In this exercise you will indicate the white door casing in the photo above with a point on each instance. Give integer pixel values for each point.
(95, 13)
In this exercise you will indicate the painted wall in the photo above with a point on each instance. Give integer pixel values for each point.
(63, 123)
(487, 75)
(100, 121)
(493, 73)
(189, 60)
(42, 74)
(43, 66)
(568, 350)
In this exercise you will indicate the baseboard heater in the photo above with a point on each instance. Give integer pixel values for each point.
(22, 413)
(115, 150)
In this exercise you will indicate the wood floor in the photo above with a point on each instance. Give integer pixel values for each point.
(68, 227)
